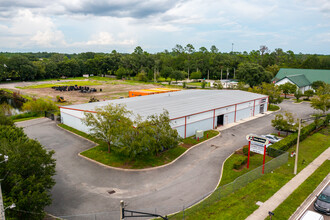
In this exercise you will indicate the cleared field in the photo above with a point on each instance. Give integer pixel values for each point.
(111, 89)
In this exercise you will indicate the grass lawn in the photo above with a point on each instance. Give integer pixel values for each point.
(70, 83)
(25, 119)
(100, 153)
(290, 205)
(230, 175)
(207, 135)
(242, 203)
(273, 107)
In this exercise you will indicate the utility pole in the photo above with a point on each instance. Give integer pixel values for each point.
(208, 75)
(221, 73)
(2, 209)
(227, 73)
(297, 150)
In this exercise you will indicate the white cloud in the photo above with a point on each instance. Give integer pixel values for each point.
(49, 38)
(105, 38)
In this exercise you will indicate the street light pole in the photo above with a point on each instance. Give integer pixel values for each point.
(297, 150)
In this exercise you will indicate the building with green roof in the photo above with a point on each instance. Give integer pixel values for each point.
(302, 78)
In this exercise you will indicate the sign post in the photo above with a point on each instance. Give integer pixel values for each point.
(257, 140)
(248, 162)
(263, 163)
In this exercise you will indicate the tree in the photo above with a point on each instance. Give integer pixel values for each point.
(121, 73)
(142, 76)
(309, 93)
(322, 100)
(214, 49)
(252, 74)
(27, 175)
(288, 88)
(177, 75)
(165, 136)
(108, 123)
(285, 122)
(196, 75)
(270, 89)
(317, 84)
(39, 105)
(298, 94)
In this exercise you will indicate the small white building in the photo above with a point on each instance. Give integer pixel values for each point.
(302, 78)
(189, 110)
(300, 81)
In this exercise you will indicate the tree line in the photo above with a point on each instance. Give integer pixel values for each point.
(181, 61)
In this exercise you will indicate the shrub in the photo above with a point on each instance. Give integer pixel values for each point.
(241, 161)
(246, 151)
(39, 105)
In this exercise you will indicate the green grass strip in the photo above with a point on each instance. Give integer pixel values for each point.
(69, 83)
(290, 205)
(26, 119)
(273, 108)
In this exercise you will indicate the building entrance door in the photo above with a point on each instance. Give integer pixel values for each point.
(262, 108)
(220, 120)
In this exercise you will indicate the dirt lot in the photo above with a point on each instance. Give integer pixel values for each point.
(110, 90)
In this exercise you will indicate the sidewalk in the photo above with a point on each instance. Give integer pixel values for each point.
(274, 201)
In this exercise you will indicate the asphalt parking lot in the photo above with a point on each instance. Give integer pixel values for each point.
(82, 186)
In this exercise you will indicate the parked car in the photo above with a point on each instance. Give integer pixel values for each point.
(272, 138)
(322, 203)
(310, 215)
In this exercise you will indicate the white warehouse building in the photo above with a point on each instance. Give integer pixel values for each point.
(189, 110)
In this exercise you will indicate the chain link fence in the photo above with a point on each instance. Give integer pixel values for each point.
(229, 188)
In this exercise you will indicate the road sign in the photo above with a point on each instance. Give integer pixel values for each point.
(254, 138)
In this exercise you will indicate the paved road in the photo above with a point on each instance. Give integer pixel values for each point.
(82, 186)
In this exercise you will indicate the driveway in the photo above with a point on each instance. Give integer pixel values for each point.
(82, 186)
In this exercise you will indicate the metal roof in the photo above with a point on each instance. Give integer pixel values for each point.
(178, 104)
(300, 80)
(311, 74)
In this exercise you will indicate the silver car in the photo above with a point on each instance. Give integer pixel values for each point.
(272, 138)
(322, 203)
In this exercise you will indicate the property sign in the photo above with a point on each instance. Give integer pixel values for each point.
(260, 140)
(257, 148)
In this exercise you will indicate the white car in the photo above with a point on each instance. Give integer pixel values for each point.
(310, 215)
(272, 138)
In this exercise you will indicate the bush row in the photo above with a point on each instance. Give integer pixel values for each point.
(291, 140)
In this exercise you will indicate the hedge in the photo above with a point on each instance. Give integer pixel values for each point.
(291, 140)
(240, 162)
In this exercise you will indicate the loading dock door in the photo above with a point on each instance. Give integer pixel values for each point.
(220, 120)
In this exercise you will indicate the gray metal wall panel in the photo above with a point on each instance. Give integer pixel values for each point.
(200, 125)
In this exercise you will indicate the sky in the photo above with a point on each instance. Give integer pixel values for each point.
(77, 26)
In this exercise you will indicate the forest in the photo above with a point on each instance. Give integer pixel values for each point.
(181, 62)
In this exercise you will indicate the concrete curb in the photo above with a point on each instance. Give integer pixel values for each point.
(133, 170)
